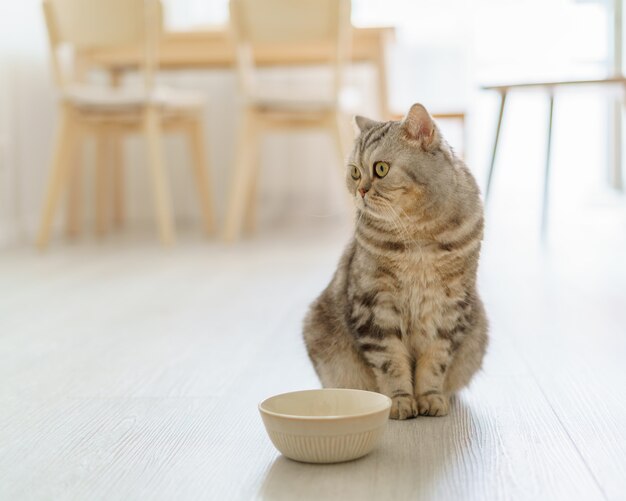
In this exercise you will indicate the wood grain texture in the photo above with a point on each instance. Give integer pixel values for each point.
(129, 372)
(576, 356)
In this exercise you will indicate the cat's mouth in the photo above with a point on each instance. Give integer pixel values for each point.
(369, 205)
(360, 201)
(365, 203)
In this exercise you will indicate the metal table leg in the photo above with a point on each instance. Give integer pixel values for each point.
(546, 179)
(495, 145)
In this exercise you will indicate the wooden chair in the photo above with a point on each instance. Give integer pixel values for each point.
(108, 113)
(270, 23)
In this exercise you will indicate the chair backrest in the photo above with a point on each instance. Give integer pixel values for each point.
(93, 24)
(272, 23)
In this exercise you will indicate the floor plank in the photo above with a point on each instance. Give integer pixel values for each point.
(99, 448)
(129, 372)
(500, 442)
(574, 351)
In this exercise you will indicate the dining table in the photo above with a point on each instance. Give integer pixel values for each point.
(214, 48)
(208, 48)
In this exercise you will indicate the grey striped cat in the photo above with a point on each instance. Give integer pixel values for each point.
(402, 315)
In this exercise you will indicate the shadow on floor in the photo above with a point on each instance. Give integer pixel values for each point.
(414, 457)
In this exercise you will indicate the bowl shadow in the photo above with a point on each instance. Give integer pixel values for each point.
(412, 461)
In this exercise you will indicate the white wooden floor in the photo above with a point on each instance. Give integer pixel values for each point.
(131, 372)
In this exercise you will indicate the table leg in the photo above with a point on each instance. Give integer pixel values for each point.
(495, 145)
(615, 174)
(546, 179)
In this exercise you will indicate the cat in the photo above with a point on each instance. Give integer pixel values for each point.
(402, 315)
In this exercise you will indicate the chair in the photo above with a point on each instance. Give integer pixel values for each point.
(109, 113)
(261, 25)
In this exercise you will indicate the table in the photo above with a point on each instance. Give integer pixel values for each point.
(550, 87)
(214, 48)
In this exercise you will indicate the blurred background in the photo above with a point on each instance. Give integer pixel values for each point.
(172, 199)
(437, 53)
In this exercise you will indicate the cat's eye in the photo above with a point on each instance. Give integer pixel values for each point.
(355, 172)
(381, 169)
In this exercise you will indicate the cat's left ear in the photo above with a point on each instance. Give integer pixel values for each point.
(418, 125)
(362, 124)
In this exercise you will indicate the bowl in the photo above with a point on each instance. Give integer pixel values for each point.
(325, 426)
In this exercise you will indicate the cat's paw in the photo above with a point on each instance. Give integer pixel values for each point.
(433, 404)
(403, 407)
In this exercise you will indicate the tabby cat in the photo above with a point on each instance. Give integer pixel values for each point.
(402, 315)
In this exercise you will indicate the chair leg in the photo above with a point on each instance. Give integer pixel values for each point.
(242, 178)
(73, 221)
(339, 136)
(495, 146)
(253, 192)
(58, 175)
(342, 143)
(152, 131)
(101, 185)
(117, 165)
(201, 172)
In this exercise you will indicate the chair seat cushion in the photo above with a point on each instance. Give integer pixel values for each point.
(121, 99)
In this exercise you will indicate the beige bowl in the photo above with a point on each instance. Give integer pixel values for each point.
(325, 426)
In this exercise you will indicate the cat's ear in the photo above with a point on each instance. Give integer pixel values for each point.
(362, 124)
(418, 125)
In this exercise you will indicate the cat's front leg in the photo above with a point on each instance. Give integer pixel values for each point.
(430, 374)
(379, 340)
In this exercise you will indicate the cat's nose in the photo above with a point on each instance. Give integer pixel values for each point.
(363, 191)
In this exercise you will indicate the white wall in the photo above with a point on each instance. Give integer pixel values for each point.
(26, 106)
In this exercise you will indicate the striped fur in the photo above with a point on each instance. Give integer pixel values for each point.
(402, 314)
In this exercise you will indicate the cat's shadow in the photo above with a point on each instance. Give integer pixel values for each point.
(411, 462)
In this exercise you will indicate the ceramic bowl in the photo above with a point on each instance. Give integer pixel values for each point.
(325, 426)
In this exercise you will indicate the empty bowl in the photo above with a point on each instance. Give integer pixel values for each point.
(325, 426)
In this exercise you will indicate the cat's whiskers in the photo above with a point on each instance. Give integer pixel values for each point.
(358, 220)
(399, 223)
(413, 239)
(390, 216)
(387, 216)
